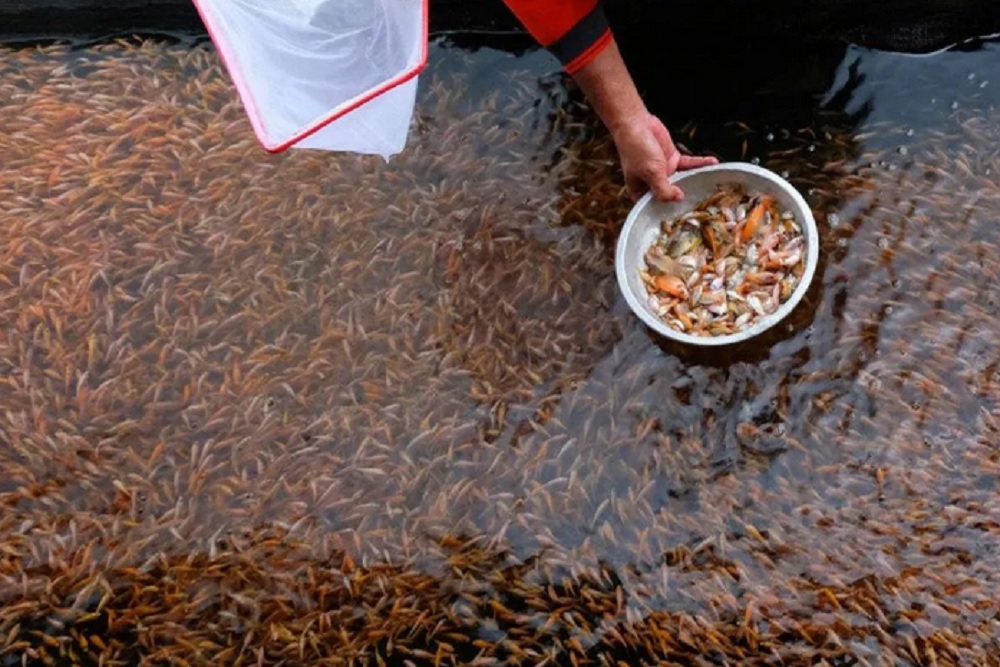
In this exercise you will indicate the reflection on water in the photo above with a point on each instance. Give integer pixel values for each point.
(279, 409)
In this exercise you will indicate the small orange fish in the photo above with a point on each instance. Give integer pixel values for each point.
(754, 218)
(672, 285)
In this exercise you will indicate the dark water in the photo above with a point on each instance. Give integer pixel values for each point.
(286, 409)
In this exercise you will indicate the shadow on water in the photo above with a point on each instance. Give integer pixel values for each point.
(767, 82)
(800, 105)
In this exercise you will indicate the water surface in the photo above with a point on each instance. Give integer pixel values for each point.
(280, 409)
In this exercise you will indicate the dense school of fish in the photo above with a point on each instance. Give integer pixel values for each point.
(320, 409)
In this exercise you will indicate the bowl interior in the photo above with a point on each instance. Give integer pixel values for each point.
(643, 225)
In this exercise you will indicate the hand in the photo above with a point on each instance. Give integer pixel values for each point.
(649, 157)
(647, 153)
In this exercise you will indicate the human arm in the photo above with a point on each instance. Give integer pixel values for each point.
(577, 33)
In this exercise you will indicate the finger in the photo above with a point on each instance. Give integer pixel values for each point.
(664, 190)
(693, 161)
(635, 187)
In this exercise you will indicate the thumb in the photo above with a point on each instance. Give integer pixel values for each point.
(692, 162)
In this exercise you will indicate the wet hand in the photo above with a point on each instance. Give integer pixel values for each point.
(649, 157)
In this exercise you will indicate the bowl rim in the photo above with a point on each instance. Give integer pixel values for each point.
(812, 260)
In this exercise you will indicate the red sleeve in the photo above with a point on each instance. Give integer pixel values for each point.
(575, 31)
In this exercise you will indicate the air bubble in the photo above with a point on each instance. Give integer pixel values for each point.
(769, 137)
(785, 173)
(902, 150)
(954, 105)
(910, 132)
(883, 243)
(833, 219)
(755, 160)
(842, 243)
(984, 84)
(811, 148)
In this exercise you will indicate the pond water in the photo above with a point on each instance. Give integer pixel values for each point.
(322, 409)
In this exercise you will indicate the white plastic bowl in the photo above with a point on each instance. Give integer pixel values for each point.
(643, 224)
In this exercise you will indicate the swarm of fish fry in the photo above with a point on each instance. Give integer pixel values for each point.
(719, 268)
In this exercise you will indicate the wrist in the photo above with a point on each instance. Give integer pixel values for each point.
(606, 83)
(625, 123)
